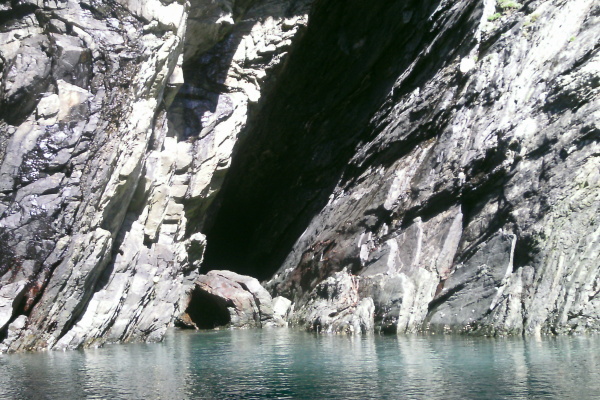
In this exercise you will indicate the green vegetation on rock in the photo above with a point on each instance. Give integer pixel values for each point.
(508, 4)
(494, 17)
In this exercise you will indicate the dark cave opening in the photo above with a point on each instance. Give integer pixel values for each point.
(207, 311)
(295, 150)
(525, 252)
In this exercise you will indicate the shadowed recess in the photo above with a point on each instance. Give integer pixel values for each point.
(295, 149)
(207, 311)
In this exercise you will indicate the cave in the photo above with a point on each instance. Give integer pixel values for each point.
(294, 151)
(207, 311)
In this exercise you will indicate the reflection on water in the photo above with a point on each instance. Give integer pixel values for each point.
(287, 364)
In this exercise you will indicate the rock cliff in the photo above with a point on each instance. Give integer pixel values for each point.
(394, 166)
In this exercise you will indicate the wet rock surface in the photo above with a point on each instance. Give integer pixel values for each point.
(82, 97)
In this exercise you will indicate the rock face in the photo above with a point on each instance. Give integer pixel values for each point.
(460, 144)
(393, 166)
(335, 306)
(104, 156)
(83, 86)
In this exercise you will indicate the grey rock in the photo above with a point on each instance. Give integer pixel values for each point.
(48, 106)
(433, 171)
(335, 306)
(73, 60)
(242, 297)
(475, 288)
(262, 298)
(14, 332)
(24, 76)
(9, 295)
(41, 187)
(459, 147)
(281, 308)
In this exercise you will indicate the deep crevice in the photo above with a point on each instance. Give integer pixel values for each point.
(297, 148)
(207, 311)
(526, 250)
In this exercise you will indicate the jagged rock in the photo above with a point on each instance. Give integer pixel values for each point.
(282, 308)
(335, 306)
(476, 287)
(99, 177)
(26, 74)
(72, 101)
(10, 295)
(73, 60)
(263, 299)
(14, 331)
(48, 106)
(450, 128)
(445, 159)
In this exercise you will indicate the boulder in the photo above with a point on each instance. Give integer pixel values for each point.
(225, 298)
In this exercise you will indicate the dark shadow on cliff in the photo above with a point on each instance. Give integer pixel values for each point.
(294, 151)
(203, 102)
(205, 74)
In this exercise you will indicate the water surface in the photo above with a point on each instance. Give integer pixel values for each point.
(289, 364)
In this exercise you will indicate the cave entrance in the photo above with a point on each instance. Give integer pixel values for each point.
(300, 142)
(207, 311)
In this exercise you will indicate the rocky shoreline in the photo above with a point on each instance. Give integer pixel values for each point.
(403, 166)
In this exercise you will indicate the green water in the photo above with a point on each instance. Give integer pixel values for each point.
(287, 364)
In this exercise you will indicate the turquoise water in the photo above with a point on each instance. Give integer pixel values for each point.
(288, 364)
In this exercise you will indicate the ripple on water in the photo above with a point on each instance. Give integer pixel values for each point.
(288, 364)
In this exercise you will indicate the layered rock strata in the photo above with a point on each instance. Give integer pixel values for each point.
(461, 150)
(102, 154)
(83, 96)
(395, 166)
